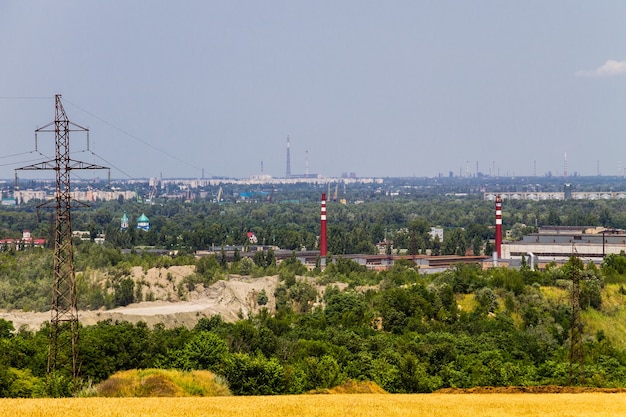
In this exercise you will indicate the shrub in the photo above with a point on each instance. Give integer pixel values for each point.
(262, 298)
(162, 383)
(204, 351)
(255, 375)
(124, 292)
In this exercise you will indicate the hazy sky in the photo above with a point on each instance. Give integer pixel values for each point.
(380, 88)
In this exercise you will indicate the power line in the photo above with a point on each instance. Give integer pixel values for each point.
(25, 98)
(88, 150)
(28, 152)
(112, 166)
(130, 135)
(20, 162)
(16, 154)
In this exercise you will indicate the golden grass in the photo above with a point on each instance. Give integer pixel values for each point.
(556, 295)
(612, 319)
(466, 302)
(614, 327)
(612, 299)
(162, 383)
(352, 405)
(353, 387)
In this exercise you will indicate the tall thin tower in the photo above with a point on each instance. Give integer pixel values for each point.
(499, 226)
(323, 228)
(306, 165)
(288, 172)
(64, 312)
(565, 166)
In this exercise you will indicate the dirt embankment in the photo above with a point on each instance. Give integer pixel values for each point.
(230, 298)
(173, 302)
(545, 389)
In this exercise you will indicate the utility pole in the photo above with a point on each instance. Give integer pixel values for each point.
(64, 312)
(576, 354)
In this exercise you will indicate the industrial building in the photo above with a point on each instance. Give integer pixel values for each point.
(558, 243)
(567, 194)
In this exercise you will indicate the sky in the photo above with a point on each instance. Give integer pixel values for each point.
(381, 89)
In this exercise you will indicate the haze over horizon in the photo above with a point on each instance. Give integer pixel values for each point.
(399, 89)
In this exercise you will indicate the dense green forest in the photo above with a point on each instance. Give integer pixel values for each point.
(406, 331)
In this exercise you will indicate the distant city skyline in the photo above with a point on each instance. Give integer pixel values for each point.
(401, 89)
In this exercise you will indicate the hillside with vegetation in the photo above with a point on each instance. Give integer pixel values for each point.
(287, 329)
(405, 331)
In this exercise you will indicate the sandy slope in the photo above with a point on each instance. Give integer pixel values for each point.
(229, 298)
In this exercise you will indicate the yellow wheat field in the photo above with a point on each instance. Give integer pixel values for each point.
(357, 405)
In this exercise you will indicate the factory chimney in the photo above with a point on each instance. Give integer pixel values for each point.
(499, 226)
(323, 229)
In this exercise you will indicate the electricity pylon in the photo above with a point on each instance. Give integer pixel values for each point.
(64, 312)
(576, 354)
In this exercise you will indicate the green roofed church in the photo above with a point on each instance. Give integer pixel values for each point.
(124, 222)
(143, 223)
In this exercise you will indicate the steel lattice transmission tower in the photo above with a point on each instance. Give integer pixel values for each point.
(63, 351)
(576, 354)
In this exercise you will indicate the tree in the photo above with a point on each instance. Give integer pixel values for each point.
(436, 246)
(6, 329)
(6, 380)
(124, 292)
(205, 350)
(259, 259)
(414, 376)
(553, 218)
(487, 300)
(255, 375)
(111, 346)
(304, 294)
(454, 242)
(262, 298)
(223, 261)
(489, 249)
(476, 245)
(322, 372)
(270, 258)
(418, 236)
(413, 245)
(605, 217)
(207, 265)
(245, 266)
(344, 308)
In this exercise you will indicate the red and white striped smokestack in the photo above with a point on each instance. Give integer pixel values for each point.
(499, 226)
(323, 228)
